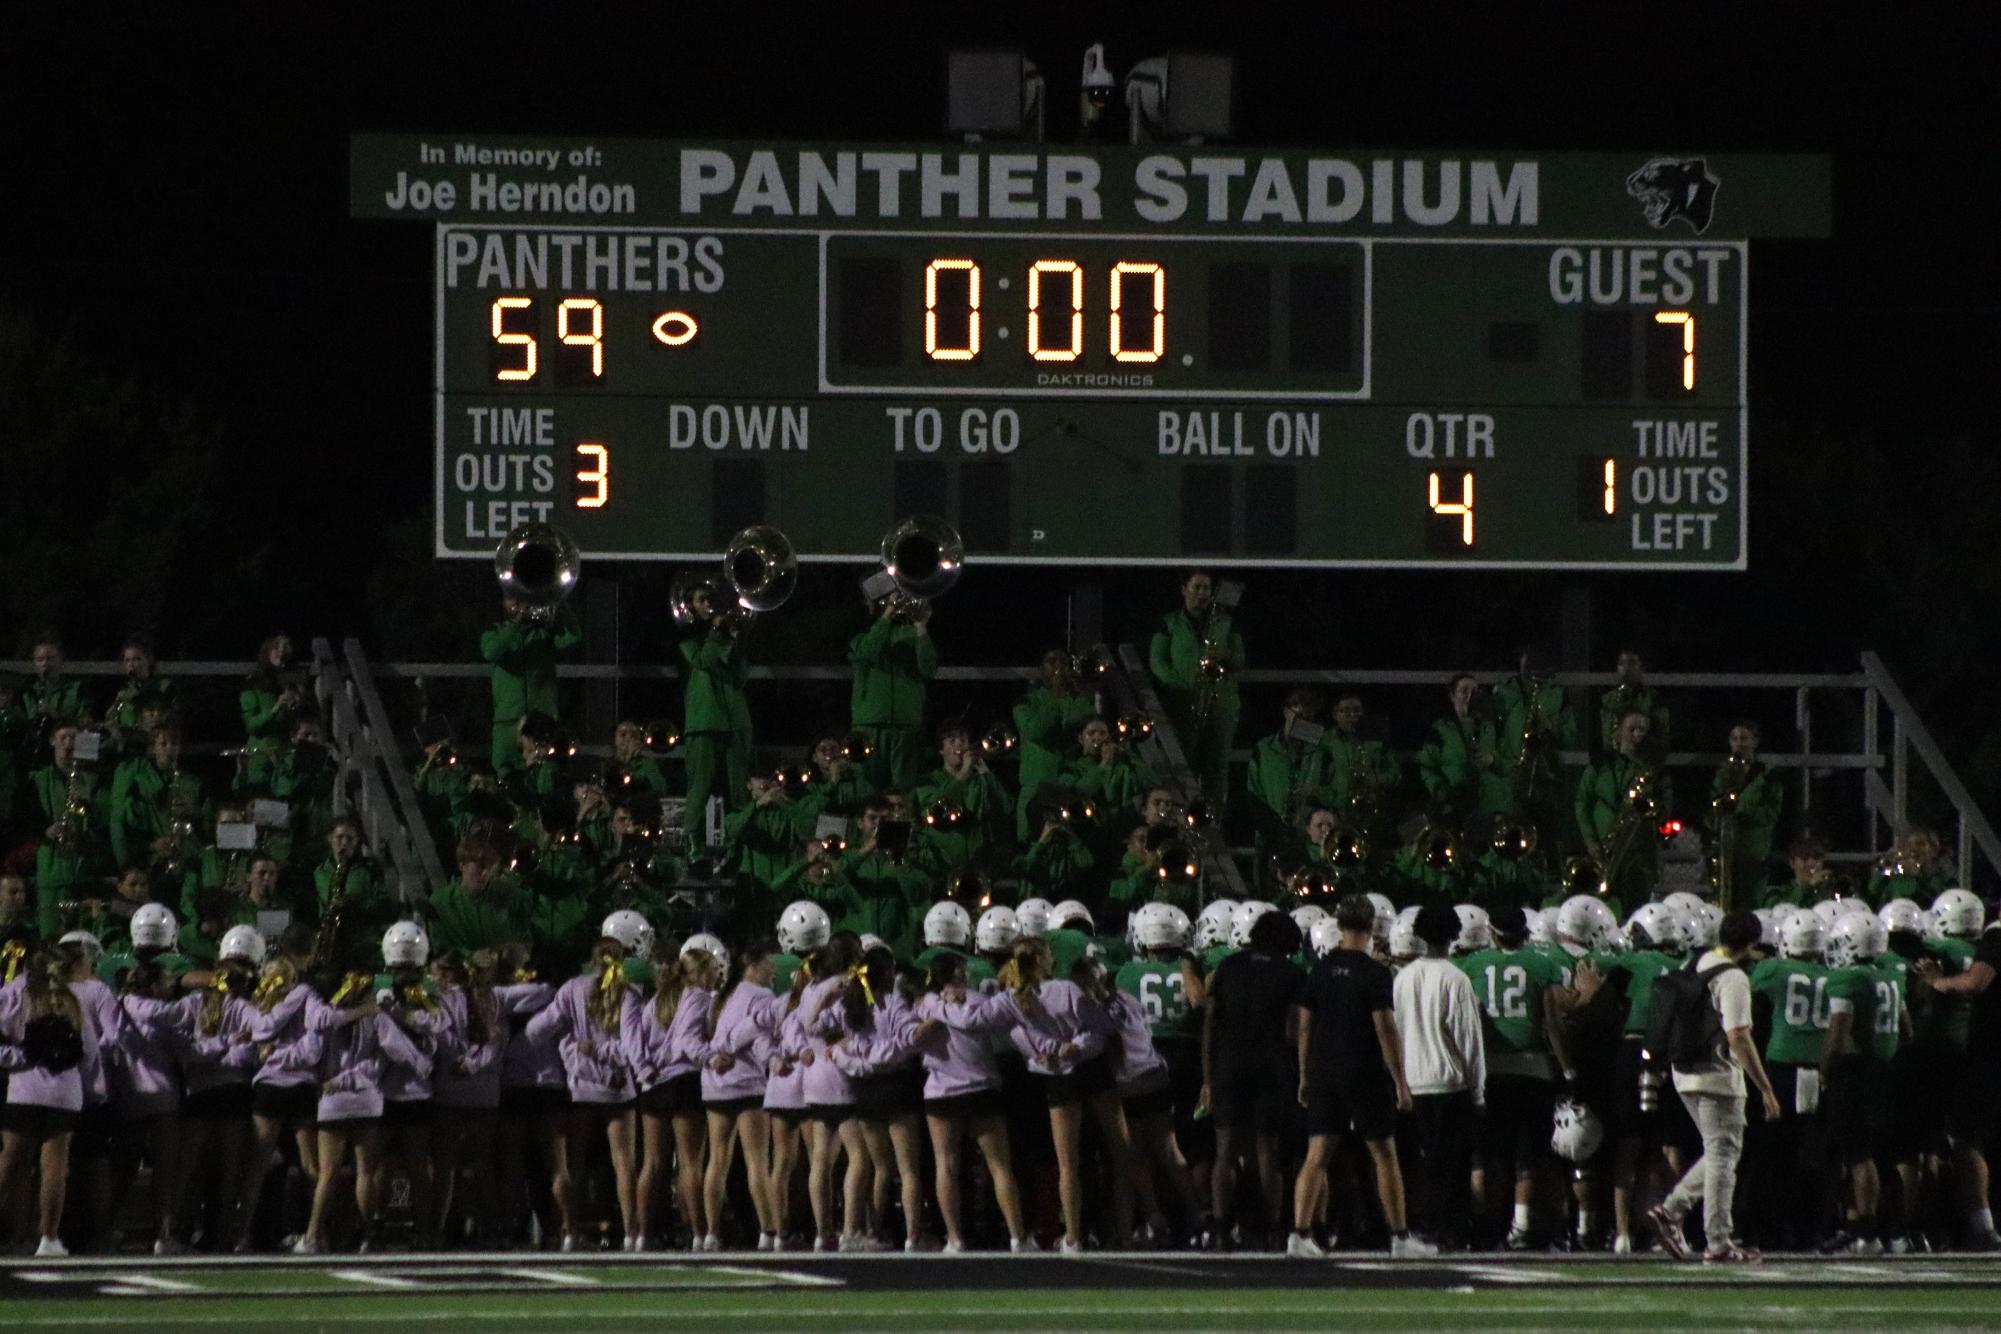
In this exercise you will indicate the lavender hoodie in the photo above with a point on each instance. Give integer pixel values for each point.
(594, 1061)
(656, 1052)
(785, 1082)
(529, 1062)
(746, 1030)
(350, 1064)
(1064, 1016)
(279, 1030)
(226, 1056)
(33, 1086)
(820, 1017)
(146, 1081)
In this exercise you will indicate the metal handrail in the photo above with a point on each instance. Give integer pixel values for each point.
(1910, 733)
(1133, 679)
(383, 734)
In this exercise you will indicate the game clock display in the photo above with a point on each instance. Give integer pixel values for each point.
(1097, 392)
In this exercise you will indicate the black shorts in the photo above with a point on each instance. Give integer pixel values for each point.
(403, 1115)
(1974, 1106)
(1859, 1108)
(829, 1113)
(224, 1102)
(978, 1105)
(1092, 1077)
(674, 1097)
(790, 1116)
(97, 1129)
(1184, 1075)
(534, 1100)
(37, 1121)
(1922, 1079)
(735, 1106)
(1259, 1108)
(1151, 1096)
(1368, 1107)
(885, 1097)
(1622, 1113)
(1520, 1112)
(285, 1102)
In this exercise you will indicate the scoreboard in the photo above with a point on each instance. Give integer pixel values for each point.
(1112, 356)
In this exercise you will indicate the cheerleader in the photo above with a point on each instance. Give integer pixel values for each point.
(962, 1093)
(218, 1061)
(146, 1088)
(802, 929)
(830, 1098)
(664, 1043)
(465, 1083)
(534, 1100)
(405, 1001)
(877, 1053)
(51, 1051)
(1063, 1030)
(283, 1092)
(744, 1020)
(351, 1041)
(587, 1018)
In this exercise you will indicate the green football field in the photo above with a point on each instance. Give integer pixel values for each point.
(1151, 1291)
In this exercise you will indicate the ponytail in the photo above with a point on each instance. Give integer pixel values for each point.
(603, 1003)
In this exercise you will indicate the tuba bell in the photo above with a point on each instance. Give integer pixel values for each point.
(762, 568)
(538, 566)
(923, 556)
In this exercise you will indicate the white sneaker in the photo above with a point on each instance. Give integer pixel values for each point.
(766, 1241)
(1024, 1245)
(825, 1244)
(1069, 1247)
(569, 1243)
(954, 1248)
(712, 1243)
(52, 1248)
(1411, 1247)
(1866, 1246)
(170, 1246)
(1622, 1246)
(911, 1246)
(307, 1246)
(1302, 1247)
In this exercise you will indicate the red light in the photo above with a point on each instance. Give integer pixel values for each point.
(1669, 828)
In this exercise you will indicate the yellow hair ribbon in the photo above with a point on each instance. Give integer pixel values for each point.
(524, 975)
(417, 998)
(350, 986)
(1009, 976)
(11, 954)
(860, 974)
(611, 975)
(267, 990)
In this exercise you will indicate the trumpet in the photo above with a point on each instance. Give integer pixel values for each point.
(1133, 728)
(1583, 875)
(1092, 664)
(538, 566)
(1514, 840)
(999, 740)
(923, 557)
(857, 749)
(944, 814)
(1309, 883)
(1346, 848)
(1178, 865)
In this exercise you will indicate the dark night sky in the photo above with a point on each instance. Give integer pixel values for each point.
(177, 203)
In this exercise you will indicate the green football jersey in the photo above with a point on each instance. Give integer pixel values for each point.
(1641, 967)
(1947, 1019)
(783, 966)
(1214, 956)
(1162, 993)
(1511, 985)
(1876, 995)
(1798, 992)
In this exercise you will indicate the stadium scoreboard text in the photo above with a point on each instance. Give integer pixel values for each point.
(1108, 355)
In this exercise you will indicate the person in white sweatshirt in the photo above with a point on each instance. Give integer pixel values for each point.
(1445, 1063)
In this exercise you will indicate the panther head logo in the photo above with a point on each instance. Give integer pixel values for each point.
(1670, 188)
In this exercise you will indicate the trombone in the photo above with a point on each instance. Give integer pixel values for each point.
(538, 566)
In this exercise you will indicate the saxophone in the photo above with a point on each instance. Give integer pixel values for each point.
(180, 828)
(326, 942)
(1212, 664)
(1634, 821)
(1533, 746)
(70, 823)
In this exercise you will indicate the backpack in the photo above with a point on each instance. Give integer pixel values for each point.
(1685, 1030)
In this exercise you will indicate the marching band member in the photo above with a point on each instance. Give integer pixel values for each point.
(1195, 657)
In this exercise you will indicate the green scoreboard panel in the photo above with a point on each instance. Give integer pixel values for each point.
(1107, 356)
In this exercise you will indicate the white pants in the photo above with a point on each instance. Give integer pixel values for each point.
(1711, 1180)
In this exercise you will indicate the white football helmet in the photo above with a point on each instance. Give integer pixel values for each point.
(1848, 907)
(1584, 921)
(1071, 910)
(1245, 918)
(1212, 924)
(1660, 928)
(1683, 901)
(948, 924)
(1542, 927)
(1386, 912)
(1801, 936)
(1959, 914)
(153, 927)
(1902, 915)
(803, 927)
(247, 945)
(1712, 923)
(1307, 916)
(871, 941)
(1404, 944)
(631, 930)
(1828, 911)
(997, 930)
(1476, 929)
(1325, 937)
(1033, 916)
(1853, 939)
(1160, 926)
(1576, 1132)
(404, 945)
(1768, 927)
(709, 945)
